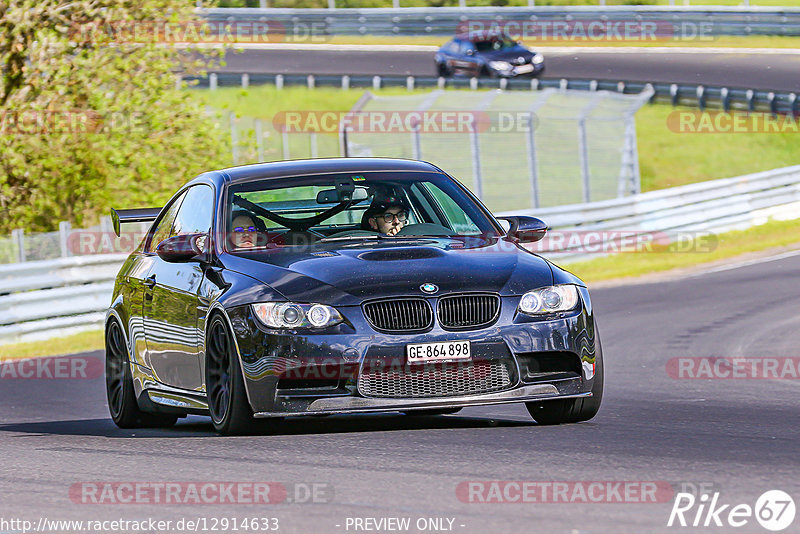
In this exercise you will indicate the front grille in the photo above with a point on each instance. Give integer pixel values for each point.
(435, 380)
(399, 314)
(468, 311)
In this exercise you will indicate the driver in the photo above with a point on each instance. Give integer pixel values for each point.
(387, 216)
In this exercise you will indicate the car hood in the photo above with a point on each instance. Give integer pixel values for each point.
(350, 272)
(509, 54)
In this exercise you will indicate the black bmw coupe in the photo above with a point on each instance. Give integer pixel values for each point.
(489, 56)
(334, 286)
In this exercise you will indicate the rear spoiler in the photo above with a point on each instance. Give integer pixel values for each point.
(135, 215)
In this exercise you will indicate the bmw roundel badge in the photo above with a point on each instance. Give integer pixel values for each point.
(429, 288)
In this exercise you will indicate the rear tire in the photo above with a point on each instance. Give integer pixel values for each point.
(555, 412)
(121, 397)
(227, 399)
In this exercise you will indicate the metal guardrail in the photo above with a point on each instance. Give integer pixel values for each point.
(446, 20)
(43, 299)
(698, 95)
(56, 297)
(714, 206)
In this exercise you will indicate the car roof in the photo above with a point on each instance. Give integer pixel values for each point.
(304, 167)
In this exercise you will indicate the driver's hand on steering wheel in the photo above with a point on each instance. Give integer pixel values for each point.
(393, 230)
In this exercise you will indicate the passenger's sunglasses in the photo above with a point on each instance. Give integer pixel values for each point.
(402, 216)
(245, 229)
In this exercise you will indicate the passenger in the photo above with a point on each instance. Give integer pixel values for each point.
(245, 231)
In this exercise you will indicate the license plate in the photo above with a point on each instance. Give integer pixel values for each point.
(522, 69)
(440, 351)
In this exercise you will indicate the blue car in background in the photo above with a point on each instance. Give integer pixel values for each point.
(493, 56)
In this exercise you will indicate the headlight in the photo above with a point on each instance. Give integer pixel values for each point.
(537, 58)
(549, 300)
(293, 315)
(500, 65)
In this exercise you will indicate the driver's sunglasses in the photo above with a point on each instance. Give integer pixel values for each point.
(401, 217)
(245, 229)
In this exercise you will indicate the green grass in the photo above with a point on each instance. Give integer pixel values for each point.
(669, 159)
(82, 342)
(728, 245)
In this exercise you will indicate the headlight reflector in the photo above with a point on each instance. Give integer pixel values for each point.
(294, 315)
(549, 300)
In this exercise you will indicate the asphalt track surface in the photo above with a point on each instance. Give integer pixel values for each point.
(738, 437)
(773, 72)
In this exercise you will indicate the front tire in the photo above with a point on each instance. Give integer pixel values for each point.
(121, 397)
(442, 70)
(227, 399)
(555, 412)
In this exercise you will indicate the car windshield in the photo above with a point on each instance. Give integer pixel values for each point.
(272, 213)
(494, 45)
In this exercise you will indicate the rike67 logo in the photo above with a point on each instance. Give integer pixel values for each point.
(774, 510)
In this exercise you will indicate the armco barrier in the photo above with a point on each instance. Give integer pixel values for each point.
(697, 95)
(43, 299)
(445, 20)
(55, 297)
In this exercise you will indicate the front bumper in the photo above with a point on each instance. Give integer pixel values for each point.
(520, 71)
(296, 373)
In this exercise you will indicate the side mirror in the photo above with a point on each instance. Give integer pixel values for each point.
(470, 52)
(182, 248)
(525, 229)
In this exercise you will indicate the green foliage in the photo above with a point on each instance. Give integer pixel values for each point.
(87, 119)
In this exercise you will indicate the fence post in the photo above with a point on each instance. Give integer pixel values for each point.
(312, 141)
(416, 146)
(212, 81)
(285, 142)
(477, 179)
(259, 140)
(18, 236)
(234, 137)
(331, 4)
(533, 164)
(64, 228)
(245, 80)
(262, 4)
(583, 154)
(344, 148)
(279, 82)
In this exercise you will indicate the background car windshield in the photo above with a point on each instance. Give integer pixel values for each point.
(312, 208)
(494, 44)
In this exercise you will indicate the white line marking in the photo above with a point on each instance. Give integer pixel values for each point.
(550, 49)
(747, 263)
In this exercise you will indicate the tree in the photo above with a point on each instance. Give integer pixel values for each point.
(90, 114)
